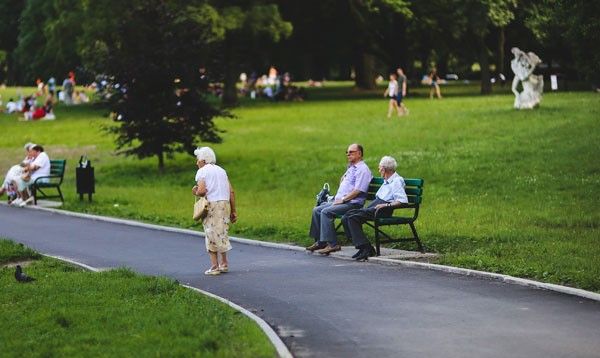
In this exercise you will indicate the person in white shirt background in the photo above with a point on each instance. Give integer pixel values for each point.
(39, 167)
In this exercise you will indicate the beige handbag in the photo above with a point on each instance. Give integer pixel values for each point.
(200, 208)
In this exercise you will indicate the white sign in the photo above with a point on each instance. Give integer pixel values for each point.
(553, 82)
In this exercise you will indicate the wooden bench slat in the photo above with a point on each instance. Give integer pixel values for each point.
(414, 182)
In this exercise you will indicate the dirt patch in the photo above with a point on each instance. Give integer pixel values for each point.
(14, 264)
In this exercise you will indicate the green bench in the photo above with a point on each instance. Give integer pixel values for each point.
(414, 192)
(41, 185)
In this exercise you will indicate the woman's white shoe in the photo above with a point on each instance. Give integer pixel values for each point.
(212, 271)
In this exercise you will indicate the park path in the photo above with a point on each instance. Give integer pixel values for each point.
(327, 307)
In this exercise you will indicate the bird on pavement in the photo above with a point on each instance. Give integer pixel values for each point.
(21, 276)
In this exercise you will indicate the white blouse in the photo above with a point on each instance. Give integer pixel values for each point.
(217, 183)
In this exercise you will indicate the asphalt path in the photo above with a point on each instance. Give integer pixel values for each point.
(323, 306)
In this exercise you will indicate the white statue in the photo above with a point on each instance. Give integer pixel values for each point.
(533, 85)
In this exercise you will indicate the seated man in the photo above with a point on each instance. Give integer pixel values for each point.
(390, 194)
(39, 167)
(350, 195)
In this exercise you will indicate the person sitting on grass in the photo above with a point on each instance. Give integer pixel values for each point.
(39, 167)
(391, 194)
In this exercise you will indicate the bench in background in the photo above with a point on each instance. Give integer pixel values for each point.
(414, 192)
(41, 185)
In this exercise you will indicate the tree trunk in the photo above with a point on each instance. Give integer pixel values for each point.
(486, 85)
(364, 67)
(229, 98)
(501, 44)
(11, 73)
(229, 87)
(161, 161)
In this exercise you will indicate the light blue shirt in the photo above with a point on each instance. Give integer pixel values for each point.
(357, 177)
(392, 189)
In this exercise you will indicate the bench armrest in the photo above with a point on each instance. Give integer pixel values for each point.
(397, 206)
(47, 177)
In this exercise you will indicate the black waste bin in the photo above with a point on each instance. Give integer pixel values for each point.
(84, 177)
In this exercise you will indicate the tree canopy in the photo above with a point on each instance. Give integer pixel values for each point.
(319, 39)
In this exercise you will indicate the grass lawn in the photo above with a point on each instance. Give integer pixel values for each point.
(506, 191)
(75, 313)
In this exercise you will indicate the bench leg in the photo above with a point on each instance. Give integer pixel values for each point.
(377, 243)
(416, 237)
(34, 194)
(60, 193)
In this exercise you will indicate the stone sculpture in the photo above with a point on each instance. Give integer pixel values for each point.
(523, 66)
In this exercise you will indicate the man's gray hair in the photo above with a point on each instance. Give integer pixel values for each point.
(28, 146)
(388, 163)
(206, 154)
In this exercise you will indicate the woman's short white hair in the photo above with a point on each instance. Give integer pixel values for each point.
(29, 146)
(388, 163)
(206, 154)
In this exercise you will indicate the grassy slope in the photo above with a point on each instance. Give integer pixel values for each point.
(506, 191)
(75, 313)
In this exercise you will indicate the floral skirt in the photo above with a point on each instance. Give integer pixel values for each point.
(216, 226)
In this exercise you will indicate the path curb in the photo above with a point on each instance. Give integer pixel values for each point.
(281, 348)
(450, 269)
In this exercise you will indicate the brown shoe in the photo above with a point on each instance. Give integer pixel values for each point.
(316, 246)
(329, 249)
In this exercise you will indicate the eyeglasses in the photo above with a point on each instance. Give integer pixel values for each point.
(351, 151)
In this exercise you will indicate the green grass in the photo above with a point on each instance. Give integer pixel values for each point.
(117, 313)
(506, 191)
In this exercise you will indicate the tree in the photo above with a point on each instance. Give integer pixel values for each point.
(10, 11)
(574, 26)
(48, 31)
(483, 16)
(248, 26)
(152, 49)
(369, 17)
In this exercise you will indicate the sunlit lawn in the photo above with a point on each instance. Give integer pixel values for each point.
(70, 312)
(506, 191)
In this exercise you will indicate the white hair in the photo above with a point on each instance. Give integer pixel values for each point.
(206, 154)
(29, 145)
(388, 163)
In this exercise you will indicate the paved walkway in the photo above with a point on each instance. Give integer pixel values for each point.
(330, 307)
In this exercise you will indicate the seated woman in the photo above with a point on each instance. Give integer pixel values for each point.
(14, 173)
(39, 167)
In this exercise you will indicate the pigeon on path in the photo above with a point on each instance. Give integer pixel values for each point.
(21, 276)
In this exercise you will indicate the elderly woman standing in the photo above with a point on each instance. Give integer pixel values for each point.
(212, 182)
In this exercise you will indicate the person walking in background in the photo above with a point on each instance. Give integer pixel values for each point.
(402, 82)
(212, 182)
(351, 194)
(391, 194)
(67, 91)
(392, 92)
(434, 82)
(52, 86)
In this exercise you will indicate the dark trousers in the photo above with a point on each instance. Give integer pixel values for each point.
(353, 221)
(322, 223)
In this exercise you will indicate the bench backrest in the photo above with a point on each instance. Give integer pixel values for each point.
(57, 167)
(414, 189)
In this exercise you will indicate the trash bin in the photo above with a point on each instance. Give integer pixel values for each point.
(84, 178)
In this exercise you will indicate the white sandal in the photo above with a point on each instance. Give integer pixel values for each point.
(224, 268)
(212, 271)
